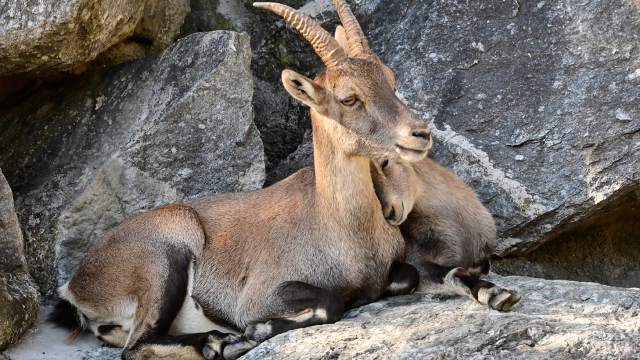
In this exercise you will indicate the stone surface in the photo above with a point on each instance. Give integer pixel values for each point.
(87, 153)
(276, 46)
(45, 341)
(11, 241)
(554, 320)
(18, 296)
(39, 36)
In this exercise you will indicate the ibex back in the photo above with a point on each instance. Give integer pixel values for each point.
(260, 263)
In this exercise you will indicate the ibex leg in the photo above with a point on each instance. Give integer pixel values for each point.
(456, 280)
(299, 304)
(403, 279)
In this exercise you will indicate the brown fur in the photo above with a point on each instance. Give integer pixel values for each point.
(321, 226)
(443, 224)
(439, 208)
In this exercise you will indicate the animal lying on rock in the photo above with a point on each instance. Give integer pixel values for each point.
(449, 234)
(221, 274)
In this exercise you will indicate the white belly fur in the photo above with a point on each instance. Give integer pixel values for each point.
(191, 318)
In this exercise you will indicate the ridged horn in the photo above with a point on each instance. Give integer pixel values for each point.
(323, 43)
(355, 36)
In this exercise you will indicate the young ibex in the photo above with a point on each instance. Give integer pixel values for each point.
(259, 263)
(449, 234)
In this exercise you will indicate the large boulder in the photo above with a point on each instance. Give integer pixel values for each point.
(556, 319)
(282, 120)
(18, 296)
(61, 35)
(535, 104)
(87, 153)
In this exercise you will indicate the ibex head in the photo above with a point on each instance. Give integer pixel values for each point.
(356, 92)
(396, 184)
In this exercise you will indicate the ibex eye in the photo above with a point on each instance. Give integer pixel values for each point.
(384, 164)
(350, 101)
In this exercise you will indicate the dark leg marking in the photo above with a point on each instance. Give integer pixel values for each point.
(66, 315)
(459, 281)
(300, 305)
(154, 315)
(360, 298)
(480, 268)
(182, 347)
(113, 335)
(403, 279)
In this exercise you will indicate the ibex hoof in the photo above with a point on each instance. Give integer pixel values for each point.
(230, 347)
(499, 298)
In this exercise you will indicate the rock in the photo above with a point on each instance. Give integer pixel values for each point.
(47, 341)
(301, 157)
(604, 249)
(282, 121)
(204, 17)
(527, 101)
(11, 241)
(19, 298)
(555, 319)
(89, 152)
(61, 35)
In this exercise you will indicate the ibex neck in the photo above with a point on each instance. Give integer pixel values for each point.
(344, 189)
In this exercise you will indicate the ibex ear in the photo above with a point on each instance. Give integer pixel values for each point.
(341, 37)
(305, 90)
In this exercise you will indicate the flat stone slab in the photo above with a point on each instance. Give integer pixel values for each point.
(556, 319)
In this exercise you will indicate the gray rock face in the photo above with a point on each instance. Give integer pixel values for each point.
(555, 319)
(604, 249)
(11, 242)
(18, 296)
(282, 121)
(534, 104)
(37, 36)
(92, 151)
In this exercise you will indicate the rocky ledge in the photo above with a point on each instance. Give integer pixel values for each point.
(555, 319)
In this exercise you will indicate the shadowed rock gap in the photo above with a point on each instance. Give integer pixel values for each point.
(604, 248)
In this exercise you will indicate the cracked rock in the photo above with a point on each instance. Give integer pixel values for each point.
(87, 153)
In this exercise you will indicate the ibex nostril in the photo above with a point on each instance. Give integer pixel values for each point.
(392, 213)
(424, 134)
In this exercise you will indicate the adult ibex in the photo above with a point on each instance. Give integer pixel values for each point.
(259, 263)
(449, 234)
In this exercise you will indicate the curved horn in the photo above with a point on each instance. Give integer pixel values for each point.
(355, 36)
(323, 43)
